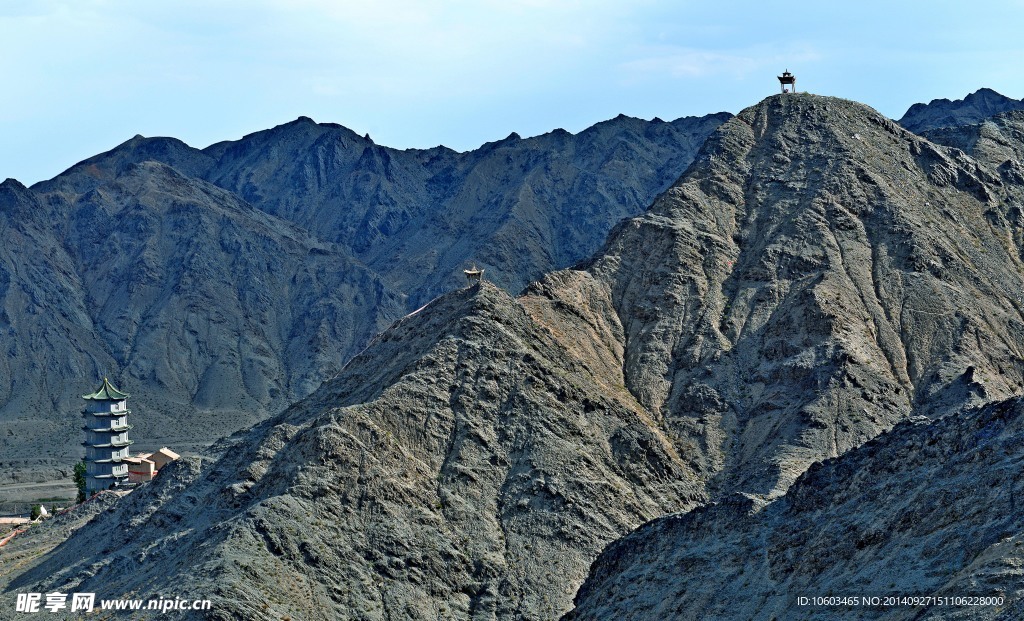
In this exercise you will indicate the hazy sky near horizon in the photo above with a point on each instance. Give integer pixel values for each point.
(84, 76)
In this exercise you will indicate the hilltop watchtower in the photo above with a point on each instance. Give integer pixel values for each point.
(787, 79)
(474, 275)
(106, 438)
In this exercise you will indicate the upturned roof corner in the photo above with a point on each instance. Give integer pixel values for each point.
(107, 392)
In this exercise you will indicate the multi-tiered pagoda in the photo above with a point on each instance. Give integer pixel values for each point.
(106, 438)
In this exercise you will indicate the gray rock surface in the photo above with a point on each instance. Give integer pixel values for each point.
(997, 141)
(475, 474)
(885, 280)
(219, 310)
(970, 110)
(520, 207)
(218, 286)
(816, 276)
(416, 216)
(927, 509)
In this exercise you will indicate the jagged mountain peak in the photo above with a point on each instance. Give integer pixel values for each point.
(302, 129)
(108, 166)
(256, 153)
(814, 245)
(973, 108)
(618, 121)
(784, 135)
(12, 185)
(800, 117)
(997, 141)
(989, 95)
(17, 200)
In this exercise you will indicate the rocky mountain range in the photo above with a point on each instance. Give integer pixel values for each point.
(926, 510)
(331, 238)
(996, 141)
(970, 110)
(217, 286)
(817, 276)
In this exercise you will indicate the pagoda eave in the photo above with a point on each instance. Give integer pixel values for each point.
(101, 414)
(109, 429)
(111, 444)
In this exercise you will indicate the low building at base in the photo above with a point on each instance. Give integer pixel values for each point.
(140, 469)
(144, 466)
(161, 457)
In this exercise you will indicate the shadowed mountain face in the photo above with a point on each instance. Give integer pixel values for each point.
(816, 276)
(520, 207)
(970, 110)
(924, 510)
(997, 141)
(517, 207)
(220, 285)
(211, 304)
(43, 308)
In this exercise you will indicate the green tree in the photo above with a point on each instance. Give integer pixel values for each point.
(79, 478)
(36, 511)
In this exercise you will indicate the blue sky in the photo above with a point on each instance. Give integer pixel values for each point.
(82, 76)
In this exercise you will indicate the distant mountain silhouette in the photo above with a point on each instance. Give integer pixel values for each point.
(220, 285)
(973, 108)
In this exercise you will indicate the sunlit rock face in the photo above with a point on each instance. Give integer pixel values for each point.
(220, 285)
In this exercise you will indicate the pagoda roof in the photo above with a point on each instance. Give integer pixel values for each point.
(106, 392)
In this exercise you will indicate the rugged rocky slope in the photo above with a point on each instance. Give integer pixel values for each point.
(475, 475)
(221, 311)
(970, 110)
(817, 273)
(223, 304)
(416, 216)
(43, 307)
(815, 276)
(997, 141)
(928, 509)
(906, 297)
(520, 207)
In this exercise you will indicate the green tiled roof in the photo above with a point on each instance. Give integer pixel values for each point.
(106, 393)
